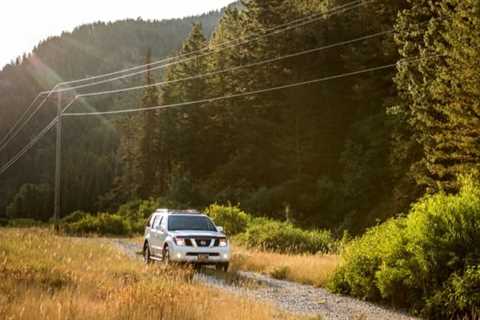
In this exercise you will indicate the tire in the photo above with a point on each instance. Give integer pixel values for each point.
(222, 267)
(146, 254)
(166, 255)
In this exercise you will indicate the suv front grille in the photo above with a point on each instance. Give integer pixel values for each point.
(203, 242)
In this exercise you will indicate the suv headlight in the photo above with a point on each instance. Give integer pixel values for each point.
(223, 242)
(179, 241)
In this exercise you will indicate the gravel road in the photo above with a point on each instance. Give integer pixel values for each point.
(289, 296)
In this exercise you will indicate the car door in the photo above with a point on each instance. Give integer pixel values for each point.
(155, 239)
(163, 232)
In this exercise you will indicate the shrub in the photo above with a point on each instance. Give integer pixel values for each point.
(24, 223)
(74, 217)
(459, 299)
(423, 261)
(284, 237)
(232, 219)
(103, 223)
(137, 225)
(129, 209)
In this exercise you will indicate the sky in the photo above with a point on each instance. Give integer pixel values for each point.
(24, 23)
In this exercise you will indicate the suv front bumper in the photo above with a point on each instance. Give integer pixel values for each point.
(200, 255)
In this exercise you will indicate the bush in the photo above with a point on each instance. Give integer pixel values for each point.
(459, 299)
(74, 217)
(425, 261)
(285, 238)
(232, 219)
(103, 223)
(24, 223)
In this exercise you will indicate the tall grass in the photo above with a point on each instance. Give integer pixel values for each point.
(302, 268)
(44, 276)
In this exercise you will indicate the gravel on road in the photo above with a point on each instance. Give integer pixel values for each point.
(286, 295)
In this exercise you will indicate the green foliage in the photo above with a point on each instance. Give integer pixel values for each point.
(284, 237)
(441, 91)
(138, 209)
(74, 217)
(24, 223)
(102, 224)
(459, 298)
(421, 261)
(90, 169)
(231, 218)
(32, 201)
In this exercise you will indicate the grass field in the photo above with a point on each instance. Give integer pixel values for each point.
(302, 268)
(44, 276)
(306, 269)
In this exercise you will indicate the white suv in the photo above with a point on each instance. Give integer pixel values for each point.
(185, 237)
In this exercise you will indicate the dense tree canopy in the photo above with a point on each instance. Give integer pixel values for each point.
(342, 153)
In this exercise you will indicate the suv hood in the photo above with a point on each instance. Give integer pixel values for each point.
(194, 233)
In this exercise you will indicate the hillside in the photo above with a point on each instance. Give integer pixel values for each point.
(88, 50)
(319, 159)
(343, 153)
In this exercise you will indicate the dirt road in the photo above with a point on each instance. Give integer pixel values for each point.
(286, 295)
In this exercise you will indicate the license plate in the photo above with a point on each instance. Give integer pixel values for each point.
(202, 257)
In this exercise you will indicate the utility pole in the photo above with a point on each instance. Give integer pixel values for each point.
(58, 163)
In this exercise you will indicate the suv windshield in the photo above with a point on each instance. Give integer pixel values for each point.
(200, 223)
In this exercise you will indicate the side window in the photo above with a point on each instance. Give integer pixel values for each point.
(150, 221)
(156, 223)
(164, 223)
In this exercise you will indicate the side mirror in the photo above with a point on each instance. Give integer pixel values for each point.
(220, 229)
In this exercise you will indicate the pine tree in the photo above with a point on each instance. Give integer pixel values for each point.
(441, 90)
(149, 135)
(186, 141)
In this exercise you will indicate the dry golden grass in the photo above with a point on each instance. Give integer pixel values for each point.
(307, 269)
(44, 276)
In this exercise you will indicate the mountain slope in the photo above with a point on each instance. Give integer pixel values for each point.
(89, 50)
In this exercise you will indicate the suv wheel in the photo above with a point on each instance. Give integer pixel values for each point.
(222, 267)
(146, 254)
(166, 255)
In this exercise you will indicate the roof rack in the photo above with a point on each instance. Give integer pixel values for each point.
(188, 211)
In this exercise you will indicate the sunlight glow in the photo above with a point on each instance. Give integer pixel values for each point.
(23, 25)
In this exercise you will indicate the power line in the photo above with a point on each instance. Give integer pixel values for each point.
(27, 148)
(3, 146)
(342, 43)
(356, 2)
(21, 118)
(245, 41)
(275, 30)
(25, 123)
(237, 95)
(259, 63)
(14, 129)
(209, 100)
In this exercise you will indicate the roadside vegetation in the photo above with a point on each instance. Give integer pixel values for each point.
(249, 231)
(310, 269)
(427, 261)
(43, 276)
